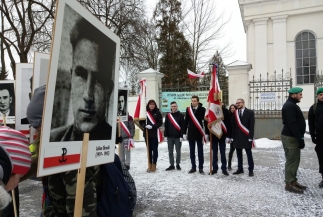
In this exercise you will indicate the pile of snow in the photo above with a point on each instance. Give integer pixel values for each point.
(267, 143)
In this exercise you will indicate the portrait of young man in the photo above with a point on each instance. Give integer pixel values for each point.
(122, 102)
(7, 99)
(91, 84)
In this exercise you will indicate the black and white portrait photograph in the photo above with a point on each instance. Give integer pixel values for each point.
(40, 69)
(81, 88)
(24, 78)
(7, 101)
(122, 104)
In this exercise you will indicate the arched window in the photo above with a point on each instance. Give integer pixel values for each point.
(305, 44)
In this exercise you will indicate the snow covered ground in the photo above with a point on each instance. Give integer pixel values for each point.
(177, 193)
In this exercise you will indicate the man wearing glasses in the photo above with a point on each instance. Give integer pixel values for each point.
(242, 135)
(173, 135)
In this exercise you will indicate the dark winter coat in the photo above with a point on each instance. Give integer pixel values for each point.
(227, 123)
(193, 132)
(240, 139)
(152, 133)
(293, 119)
(315, 119)
(170, 130)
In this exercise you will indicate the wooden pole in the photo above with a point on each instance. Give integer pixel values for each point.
(13, 190)
(119, 134)
(147, 144)
(81, 178)
(211, 158)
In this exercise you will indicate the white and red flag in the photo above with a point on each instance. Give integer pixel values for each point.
(55, 157)
(214, 114)
(142, 93)
(194, 75)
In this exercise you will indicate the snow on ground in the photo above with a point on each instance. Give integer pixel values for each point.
(177, 193)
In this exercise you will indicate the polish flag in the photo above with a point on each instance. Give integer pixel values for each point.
(57, 156)
(194, 75)
(141, 93)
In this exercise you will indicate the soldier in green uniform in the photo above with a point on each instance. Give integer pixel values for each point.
(315, 123)
(292, 137)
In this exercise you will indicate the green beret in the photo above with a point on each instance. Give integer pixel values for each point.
(320, 90)
(295, 90)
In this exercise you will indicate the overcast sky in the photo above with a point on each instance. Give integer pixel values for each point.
(233, 31)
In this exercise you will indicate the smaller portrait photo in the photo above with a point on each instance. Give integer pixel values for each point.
(7, 102)
(122, 113)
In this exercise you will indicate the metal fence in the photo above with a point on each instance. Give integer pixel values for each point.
(268, 94)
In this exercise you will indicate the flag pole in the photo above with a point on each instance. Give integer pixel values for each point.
(211, 159)
(119, 134)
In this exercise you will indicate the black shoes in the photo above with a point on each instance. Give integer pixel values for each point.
(321, 184)
(213, 172)
(229, 168)
(201, 171)
(171, 167)
(250, 174)
(224, 172)
(237, 172)
(178, 167)
(192, 171)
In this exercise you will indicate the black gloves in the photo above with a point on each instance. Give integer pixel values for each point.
(301, 143)
(313, 139)
(118, 139)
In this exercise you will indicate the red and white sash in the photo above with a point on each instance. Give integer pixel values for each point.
(152, 120)
(243, 128)
(126, 130)
(195, 121)
(224, 127)
(173, 121)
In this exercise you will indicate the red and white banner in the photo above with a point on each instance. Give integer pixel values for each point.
(152, 120)
(196, 123)
(55, 157)
(214, 112)
(173, 121)
(142, 91)
(243, 128)
(194, 75)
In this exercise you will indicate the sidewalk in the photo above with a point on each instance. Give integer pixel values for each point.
(177, 193)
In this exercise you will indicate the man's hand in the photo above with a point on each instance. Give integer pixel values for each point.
(185, 137)
(181, 139)
(149, 127)
(227, 140)
(13, 182)
(313, 139)
(165, 139)
(301, 143)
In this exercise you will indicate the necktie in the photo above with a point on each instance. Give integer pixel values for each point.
(240, 113)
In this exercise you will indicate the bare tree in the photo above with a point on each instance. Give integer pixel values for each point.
(203, 26)
(27, 27)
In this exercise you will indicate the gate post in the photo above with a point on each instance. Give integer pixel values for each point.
(239, 81)
(153, 84)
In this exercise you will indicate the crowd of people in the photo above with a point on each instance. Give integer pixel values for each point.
(238, 122)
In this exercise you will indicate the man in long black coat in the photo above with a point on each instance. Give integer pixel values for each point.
(242, 134)
(194, 133)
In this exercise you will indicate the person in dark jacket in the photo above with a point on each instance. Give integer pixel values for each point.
(292, 137)
(154, 120)
(173, 135)
(195, 132)
(232, 109)
(243, 139)
(221, 143)
(315, 124)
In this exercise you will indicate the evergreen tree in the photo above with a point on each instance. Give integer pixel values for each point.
(175, 51)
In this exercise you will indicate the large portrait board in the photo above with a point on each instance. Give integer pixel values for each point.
(7, 101)
(40, 72)
(24, 74)
(122, 104)
(80, 92)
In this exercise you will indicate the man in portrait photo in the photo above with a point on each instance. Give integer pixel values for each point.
(26, 102)
(122, 102)
(93, 56)
(7, 101)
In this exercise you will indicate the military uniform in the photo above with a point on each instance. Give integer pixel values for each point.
(315, 123)
(292, 137)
